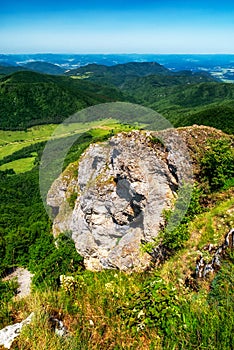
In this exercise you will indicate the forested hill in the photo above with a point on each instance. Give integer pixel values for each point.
(5, 70)
(210, 103)
(131, 68)
(185, 98)
(120, 74)
(29, 98)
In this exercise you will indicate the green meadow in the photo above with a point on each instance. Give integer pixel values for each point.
(13, 141)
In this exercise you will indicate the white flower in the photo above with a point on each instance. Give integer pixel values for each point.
(141, 313)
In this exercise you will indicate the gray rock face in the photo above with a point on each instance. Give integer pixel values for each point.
(122, 187)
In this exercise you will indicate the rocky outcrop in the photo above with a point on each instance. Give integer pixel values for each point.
(114, 198)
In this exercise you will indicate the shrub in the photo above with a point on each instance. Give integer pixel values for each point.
(154, 305)
(72, 200)
(217, 164)
(176, 233)
(49, 261)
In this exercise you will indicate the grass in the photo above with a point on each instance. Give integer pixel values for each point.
(90, 314)
(99, 310)
(209, 227)
(20, 165)
(12, 141)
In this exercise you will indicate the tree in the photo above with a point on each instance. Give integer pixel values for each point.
(217, 164)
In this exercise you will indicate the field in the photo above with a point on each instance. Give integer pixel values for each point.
(13, 141)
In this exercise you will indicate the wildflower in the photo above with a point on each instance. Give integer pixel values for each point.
(140, 314)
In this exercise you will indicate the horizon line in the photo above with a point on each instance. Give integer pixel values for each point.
(115, 53)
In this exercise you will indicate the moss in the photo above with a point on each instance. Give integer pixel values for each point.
(72, 199)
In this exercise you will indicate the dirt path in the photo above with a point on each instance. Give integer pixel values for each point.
(24, 278)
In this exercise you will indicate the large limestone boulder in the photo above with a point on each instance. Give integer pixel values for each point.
(114, 197)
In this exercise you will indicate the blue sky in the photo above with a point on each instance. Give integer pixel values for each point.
(116, 26)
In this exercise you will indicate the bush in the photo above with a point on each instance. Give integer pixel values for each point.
(217, 165)
(155, 305)
(176, 233)
(48, 261)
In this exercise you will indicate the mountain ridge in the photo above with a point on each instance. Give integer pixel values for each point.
(30, 98)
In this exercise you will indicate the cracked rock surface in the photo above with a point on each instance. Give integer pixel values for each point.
(121, 188)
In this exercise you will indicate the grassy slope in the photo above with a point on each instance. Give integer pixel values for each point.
(209, 227)
(13, 141)
(20, 165)
(92, 312)
(99, 312)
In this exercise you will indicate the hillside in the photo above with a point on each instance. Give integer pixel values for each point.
(164, 308)
(185, 100)
(6, 70)
(185, 97)
(36, 66)
(29, 98)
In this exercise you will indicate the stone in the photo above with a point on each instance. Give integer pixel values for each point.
(58, 327)
(203, 268)
(123, 186)
(9, 333)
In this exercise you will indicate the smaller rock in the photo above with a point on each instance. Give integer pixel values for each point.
(203, 268)
(24, 279)
(58, 327)
(9, 333)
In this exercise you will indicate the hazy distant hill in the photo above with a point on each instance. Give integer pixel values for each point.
(29, 98)
(44, 67)
(194, 62)
(131, 68)
(40, 67)
(4, 70)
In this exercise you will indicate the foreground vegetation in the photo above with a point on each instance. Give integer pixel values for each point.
(164, 308)
(154, 310)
